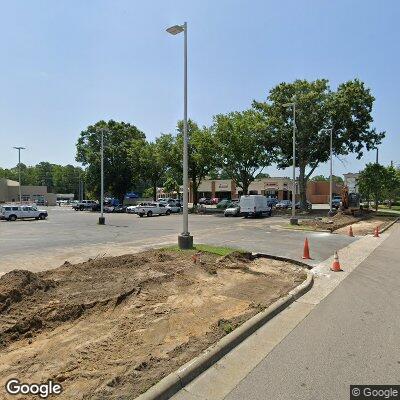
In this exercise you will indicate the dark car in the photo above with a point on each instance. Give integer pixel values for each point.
(284, 204)
(308, 205)
(272, 202)
(205, 201)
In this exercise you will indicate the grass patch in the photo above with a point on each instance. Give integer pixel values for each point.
(218, 250)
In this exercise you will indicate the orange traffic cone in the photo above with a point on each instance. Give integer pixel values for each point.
(306, 251)
(376, 232)
(336, 264)
(351, 231)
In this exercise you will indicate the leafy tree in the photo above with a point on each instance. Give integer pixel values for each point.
(320, 178)
(391, 184)
(347, 111)
(371, 182)
(153, 163)
(203, 156)
(262, 175)
(122, 143)
(171, 185)
(242, 145)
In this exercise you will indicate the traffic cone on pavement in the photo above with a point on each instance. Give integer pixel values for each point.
(376, 232)
(306, 251)
(351, 231)
(336, 264)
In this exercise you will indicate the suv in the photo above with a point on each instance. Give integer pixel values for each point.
(84, 205)
(12, 212)
(336, 200)
(153, 209)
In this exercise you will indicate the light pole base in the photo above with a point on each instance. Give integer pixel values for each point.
(185, 241)
(102, 220)
(294, 221)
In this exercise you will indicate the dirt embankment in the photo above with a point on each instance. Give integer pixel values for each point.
(110, 328)
(362, 224)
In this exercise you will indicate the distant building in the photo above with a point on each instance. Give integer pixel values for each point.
(9, 193)
(351, 181)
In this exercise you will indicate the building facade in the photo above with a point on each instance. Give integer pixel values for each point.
(9, 193)
(276, 187)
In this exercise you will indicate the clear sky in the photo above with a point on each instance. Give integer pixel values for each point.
(66, 64)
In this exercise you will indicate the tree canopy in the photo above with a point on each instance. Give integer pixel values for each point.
(243, 147)
(122, 145)
(347, 111)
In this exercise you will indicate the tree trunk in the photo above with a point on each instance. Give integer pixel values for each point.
(302, 187)
(195, 186)
(154, 185)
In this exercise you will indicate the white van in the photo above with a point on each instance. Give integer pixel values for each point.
(254, 205)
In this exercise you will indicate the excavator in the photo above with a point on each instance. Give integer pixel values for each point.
(350, 203)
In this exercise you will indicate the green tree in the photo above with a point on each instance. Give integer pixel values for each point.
(371, 182)
(171, 185)
(242, 145)
(153, 163)
(391, 185)
(203, 156)
(122, 143)
(321, 178)
(347, 111)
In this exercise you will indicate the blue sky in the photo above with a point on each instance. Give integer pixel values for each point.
(67, 64)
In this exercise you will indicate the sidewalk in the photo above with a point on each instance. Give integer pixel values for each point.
(319, 346)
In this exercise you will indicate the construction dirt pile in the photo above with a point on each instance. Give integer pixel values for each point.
(112, 327)
(362, 224)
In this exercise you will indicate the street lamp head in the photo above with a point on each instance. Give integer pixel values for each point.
(174, 30)
(19, 148)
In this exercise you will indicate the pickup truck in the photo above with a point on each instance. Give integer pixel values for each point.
(151, 209)
(14, 212)
(84, 205)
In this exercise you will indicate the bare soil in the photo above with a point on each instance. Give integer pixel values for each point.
(362, 224)
(111, 328)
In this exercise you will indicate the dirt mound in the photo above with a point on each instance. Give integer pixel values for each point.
(112, 327)
(19, 283)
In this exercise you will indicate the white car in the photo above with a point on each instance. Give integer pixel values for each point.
(174, 206)
(153, 209)
(133, 209)
(254, 205)
(13, 212)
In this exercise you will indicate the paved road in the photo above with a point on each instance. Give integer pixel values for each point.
(351, 337)
(74, 236)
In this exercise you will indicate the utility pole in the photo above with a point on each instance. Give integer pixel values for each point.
(101, 218)
(19, 148)
(185, 240)
(377, 156)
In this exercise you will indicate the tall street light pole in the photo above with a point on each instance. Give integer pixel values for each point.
(185, 240)
(101, 218)
(330, 130)
(19, 148)
(293, 220)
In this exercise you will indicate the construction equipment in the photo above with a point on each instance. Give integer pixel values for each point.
(350, 202)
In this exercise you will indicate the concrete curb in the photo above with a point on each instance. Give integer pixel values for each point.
(290, 260)
(389, 225)
(175, 381)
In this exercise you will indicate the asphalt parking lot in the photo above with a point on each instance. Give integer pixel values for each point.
(76, 236)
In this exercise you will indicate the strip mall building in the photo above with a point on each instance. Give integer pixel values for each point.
(280, 188)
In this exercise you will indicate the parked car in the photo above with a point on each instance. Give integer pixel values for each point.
(153, 209)
(308, 205)
(272, 201)
(233, 210)
(175, 207)
(85, 205)
(205, 201)
(255, 205)
(284, 205)
(12, 212)
(133, 209)
(225, 203)
(214, 200)
(336, 200)
(115, 209)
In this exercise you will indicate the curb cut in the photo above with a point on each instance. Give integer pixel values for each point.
(177, 380)
(388, 226)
